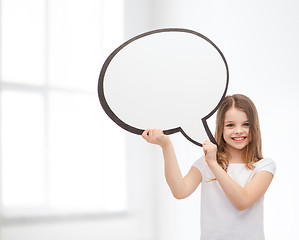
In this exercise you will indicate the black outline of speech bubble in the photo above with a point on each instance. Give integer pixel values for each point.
(131, 129)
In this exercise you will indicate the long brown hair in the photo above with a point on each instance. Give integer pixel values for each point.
(253, 151)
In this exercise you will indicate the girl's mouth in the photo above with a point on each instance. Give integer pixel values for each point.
(239, 139)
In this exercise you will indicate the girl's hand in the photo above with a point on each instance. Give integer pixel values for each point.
(210, 151)
(156, 136)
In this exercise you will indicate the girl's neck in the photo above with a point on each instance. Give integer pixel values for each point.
(235, 156)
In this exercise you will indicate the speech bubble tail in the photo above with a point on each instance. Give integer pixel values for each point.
(198, 134)
(208, 131)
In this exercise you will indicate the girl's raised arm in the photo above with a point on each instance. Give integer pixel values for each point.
(241, 197)
(181, 187)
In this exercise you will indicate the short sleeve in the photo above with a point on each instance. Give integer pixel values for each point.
(200, 164)
(266, 164)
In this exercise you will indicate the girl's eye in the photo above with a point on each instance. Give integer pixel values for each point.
(230, 125)
(246, 124)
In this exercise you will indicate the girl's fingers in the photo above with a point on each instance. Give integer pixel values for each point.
(208, 146)
(152, 135)
(145, 134)
(148, 134)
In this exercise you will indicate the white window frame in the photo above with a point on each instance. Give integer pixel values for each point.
(45, 89)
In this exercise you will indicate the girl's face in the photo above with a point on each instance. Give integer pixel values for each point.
(236, 129)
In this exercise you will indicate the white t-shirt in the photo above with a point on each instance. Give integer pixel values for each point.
(220, 220)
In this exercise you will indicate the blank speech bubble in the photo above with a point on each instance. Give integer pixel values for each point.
(171, 79)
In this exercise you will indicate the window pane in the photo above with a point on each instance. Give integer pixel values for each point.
(23, 41)
(22, 138)
(76, 41)
(112, 26)
(80, 154)
(66, 155)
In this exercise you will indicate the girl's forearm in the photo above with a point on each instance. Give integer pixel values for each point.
(173, 173)
(235, 192)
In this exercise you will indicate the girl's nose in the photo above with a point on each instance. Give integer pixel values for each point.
(239, 129)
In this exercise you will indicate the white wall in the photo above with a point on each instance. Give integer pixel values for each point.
(260, 42)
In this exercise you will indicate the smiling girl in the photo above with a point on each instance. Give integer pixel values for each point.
(234, 177)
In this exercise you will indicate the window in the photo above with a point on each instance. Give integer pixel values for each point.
(58, 148)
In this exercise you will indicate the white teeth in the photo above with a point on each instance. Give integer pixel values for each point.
(239, 138)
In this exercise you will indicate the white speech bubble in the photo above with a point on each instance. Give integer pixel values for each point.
(171, 79)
